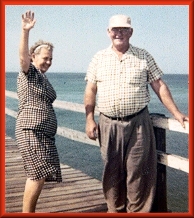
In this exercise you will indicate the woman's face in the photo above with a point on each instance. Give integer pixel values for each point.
(42, 60)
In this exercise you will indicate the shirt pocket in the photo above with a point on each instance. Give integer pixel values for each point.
(136, 77)
(136, 72)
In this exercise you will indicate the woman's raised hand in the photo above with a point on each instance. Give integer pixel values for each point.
(28, 20)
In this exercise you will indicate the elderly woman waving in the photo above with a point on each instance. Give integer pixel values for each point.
(36, 123)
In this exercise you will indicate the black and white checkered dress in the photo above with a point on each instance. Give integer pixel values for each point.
(36, 126)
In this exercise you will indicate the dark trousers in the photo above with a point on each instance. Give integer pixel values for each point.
(129, 154)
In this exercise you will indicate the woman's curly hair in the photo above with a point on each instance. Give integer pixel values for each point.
(35, 49)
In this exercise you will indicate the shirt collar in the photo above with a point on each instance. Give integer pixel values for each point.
(129, 51)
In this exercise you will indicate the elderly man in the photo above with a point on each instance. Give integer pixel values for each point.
(120, 75)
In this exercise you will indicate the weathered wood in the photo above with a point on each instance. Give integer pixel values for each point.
(78, 179)
(158, 121)
(77, 193)
(169, 123)
(65, 105)
(160, 201)
(174, 161)
(170, 160)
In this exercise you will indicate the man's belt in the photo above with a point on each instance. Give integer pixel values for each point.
(126, 118)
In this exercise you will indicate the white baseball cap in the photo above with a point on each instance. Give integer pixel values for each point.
(119, 20)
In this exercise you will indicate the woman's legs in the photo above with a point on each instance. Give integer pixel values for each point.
(32, 192)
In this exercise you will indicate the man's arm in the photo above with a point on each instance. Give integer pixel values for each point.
(90, 102)
(165, 96)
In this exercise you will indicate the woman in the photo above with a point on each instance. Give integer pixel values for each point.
(36, 122)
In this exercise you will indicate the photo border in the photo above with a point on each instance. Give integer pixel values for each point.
(4, 3)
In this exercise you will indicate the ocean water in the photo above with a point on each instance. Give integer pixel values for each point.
(70, 87)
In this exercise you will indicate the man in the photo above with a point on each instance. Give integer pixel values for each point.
(121, 74)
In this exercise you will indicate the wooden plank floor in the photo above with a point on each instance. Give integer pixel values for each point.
(77, 193)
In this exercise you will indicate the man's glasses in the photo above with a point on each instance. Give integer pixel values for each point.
(123, 30)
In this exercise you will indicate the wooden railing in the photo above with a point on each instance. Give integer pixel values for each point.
(160, 123)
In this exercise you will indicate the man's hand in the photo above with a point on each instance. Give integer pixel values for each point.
(92, 129)
(181, 118)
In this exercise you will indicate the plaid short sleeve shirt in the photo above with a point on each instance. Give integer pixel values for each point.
(122, 84)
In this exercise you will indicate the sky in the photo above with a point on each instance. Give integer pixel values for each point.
(79, 31)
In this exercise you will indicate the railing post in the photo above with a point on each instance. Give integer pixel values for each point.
(160, 201)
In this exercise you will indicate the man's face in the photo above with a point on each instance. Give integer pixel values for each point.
(120, 35)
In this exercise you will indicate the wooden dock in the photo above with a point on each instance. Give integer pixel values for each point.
(77, 193)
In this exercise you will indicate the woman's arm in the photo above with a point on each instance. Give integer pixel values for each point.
(27, 24)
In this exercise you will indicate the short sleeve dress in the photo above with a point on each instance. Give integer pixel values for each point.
(36, 126)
